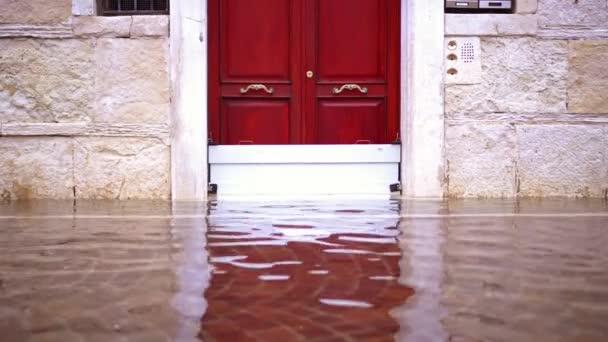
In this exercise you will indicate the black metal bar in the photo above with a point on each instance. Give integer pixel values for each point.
(106, 8)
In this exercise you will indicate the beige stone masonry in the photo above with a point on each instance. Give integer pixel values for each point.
(582, 19)
(557, 19)
(36, 31)
(39, 167)
(93, 26)
(520, 75)
(85, 129)
(481, 160)
(527, 118)
(526, 6)
(562, 160)
(121, 168)
(570, 14)
(132, 81)
(588, 76)
(46, 80)
(494, 159)
(143, 26)
(490, 25)
(34, 11)
(570, 33)
(146, 26)
(150, 26)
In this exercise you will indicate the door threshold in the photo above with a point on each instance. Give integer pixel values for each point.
(304, 171)
(306, 154)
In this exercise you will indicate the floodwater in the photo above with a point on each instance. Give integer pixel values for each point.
(304, 271)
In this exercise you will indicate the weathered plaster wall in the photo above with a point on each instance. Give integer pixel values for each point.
(84, 103)
(537, 122)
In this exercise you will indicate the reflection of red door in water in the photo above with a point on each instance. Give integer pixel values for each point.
(303, 71)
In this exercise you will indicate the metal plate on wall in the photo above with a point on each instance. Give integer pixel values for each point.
(496, 4)
(463, 60)
(462, 4)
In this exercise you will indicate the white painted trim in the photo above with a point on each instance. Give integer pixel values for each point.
(422, 100)
(304, 170)
(188, 101)
(318, 154)
(422, 110)
(304, 179)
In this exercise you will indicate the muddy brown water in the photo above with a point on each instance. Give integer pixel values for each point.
(304, 271)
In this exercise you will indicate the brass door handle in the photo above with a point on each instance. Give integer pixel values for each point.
(350, 87)
(256, 87)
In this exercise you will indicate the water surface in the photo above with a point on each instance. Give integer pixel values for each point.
(304, 271)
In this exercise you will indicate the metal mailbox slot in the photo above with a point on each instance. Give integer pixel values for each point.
(478, 6)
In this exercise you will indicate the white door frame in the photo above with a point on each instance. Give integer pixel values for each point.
(422, 101)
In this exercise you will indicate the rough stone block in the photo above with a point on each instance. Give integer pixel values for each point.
(44, 80)
(121, 168)
(150, 26)
(94, 26)
(526, 6)
(132, 81)
(519, 75)
(36, 167)
(574, 14)
(588, 76)
(481, 160)
(490, 25)
(34, 11)
(562, 160)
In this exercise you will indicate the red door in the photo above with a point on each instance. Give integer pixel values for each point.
(303, 71)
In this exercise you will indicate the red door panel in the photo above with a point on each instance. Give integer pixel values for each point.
(351, 40)
(255, 121)
(254, 71)
(351, 121)
(354, 47)
(255, 40)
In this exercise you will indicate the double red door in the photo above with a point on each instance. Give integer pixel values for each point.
(303, 71)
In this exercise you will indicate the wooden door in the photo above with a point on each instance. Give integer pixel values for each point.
(353, 47)
(304, 71)
(254, 67)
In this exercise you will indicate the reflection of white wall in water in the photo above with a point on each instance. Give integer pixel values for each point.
(421, 268)
(193, 275)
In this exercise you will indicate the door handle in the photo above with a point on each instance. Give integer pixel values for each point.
(350, 87)
(256, 87)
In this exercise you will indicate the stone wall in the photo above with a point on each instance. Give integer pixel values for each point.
(84, 103)
(535, 123)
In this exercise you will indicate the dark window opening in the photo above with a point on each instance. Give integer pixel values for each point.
(133, 7)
